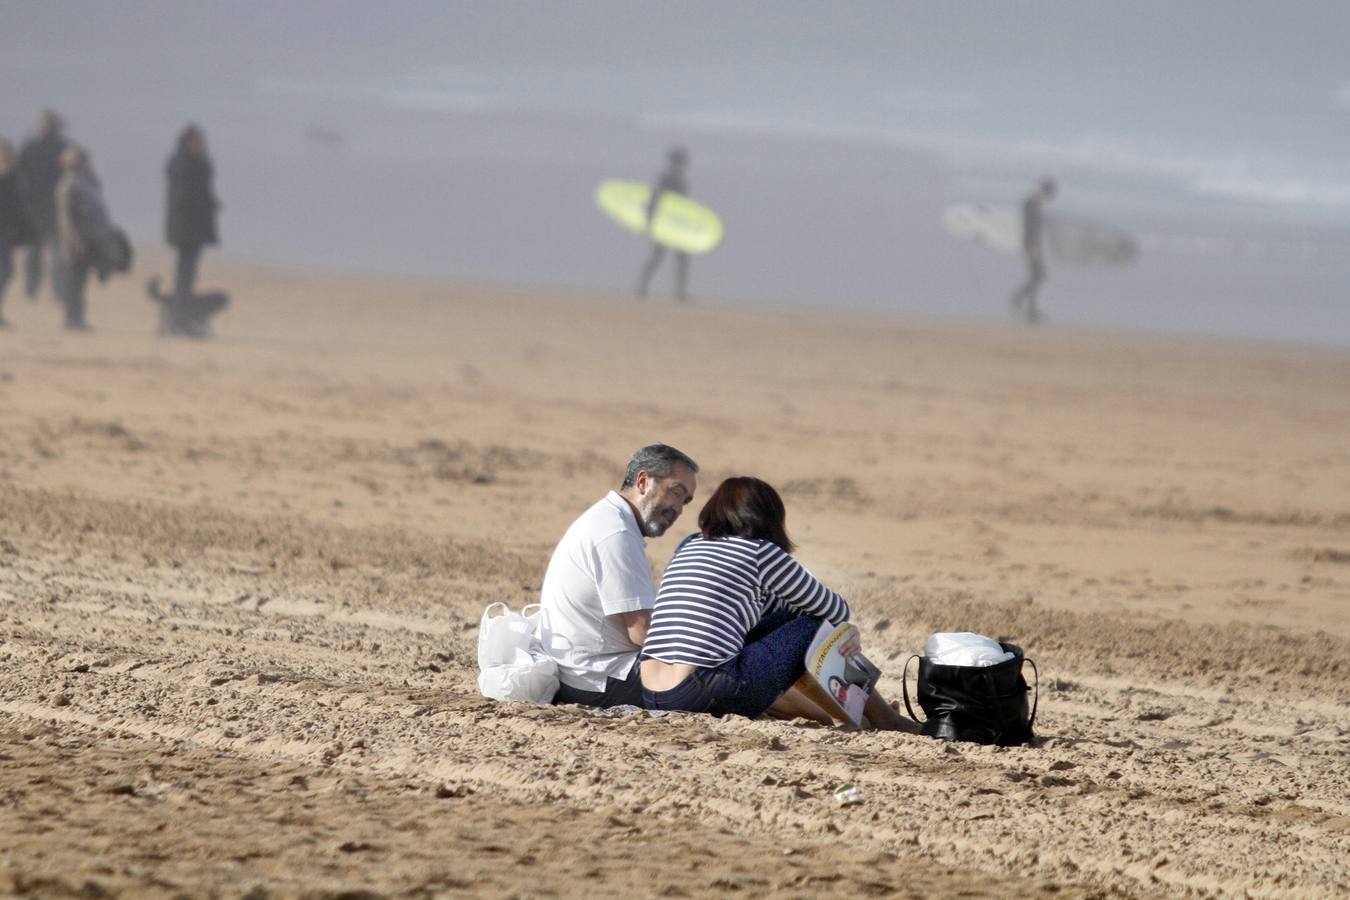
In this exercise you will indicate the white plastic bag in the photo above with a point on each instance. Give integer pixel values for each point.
(964, 648)
(512, 664)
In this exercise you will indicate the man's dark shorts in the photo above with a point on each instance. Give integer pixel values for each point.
(616, 692)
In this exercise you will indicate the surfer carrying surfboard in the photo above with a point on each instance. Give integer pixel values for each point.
(1033, 249)
(673, 181)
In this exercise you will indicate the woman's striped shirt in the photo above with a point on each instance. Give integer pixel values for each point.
(714, 591)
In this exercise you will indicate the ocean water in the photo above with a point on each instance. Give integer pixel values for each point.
(465, 140)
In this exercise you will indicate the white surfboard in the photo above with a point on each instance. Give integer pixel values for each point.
(1068, 239)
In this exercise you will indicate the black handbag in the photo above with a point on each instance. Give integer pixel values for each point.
(983, 704)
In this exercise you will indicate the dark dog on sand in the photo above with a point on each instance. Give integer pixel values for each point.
(189, 317)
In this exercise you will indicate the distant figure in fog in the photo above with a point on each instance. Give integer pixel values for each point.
(673, 180)
(39, 170)
(16, 229)
(190, 219)
(86, 238)
(1033, 249)
(189, 227)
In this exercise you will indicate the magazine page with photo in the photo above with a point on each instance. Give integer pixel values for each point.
(838, 683)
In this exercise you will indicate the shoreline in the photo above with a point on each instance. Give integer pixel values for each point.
(812, 310)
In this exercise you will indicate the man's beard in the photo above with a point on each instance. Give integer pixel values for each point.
(653, 523)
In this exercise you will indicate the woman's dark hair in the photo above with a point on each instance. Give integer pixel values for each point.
(745, 507)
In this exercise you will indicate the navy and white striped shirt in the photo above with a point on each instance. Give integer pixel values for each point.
(714, 591)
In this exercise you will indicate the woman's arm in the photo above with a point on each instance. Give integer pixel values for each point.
(798, 588)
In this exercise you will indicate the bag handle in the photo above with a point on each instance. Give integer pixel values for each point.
(904, 685)
(487, 612)
(1036, 698)
(530, 612)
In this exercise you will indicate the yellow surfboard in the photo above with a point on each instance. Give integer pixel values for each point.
(678, 223)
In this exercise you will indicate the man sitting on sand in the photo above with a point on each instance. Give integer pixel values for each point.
(598, 593)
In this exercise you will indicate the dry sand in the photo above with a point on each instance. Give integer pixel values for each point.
(241, 581)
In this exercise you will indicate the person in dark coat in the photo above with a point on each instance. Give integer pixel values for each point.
(15, 227)
(190, 222)
(39, 170)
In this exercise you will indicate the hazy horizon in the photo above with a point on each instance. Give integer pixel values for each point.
(829, 138)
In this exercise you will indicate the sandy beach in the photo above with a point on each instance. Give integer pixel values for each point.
(242, 579)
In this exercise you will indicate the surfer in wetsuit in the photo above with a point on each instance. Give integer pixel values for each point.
(1033, 249)
(674, 181)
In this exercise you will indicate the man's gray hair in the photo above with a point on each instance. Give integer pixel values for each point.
(658, 461)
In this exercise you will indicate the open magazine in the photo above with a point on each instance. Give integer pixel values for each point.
(841, 685)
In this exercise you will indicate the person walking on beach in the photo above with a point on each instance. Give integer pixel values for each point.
(1033, 250)
(15, 227)
(736, 614)
(39, 170)
(672, 180)
(597, 597)
(190, 217)
(85, 235)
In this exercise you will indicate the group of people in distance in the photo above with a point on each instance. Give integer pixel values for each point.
(51, 202)
(728, 629)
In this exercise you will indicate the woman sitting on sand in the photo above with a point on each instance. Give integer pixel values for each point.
(736, 613)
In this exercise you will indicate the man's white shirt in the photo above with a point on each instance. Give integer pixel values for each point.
(599, 569)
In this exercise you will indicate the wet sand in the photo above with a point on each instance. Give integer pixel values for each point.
(241, 583)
